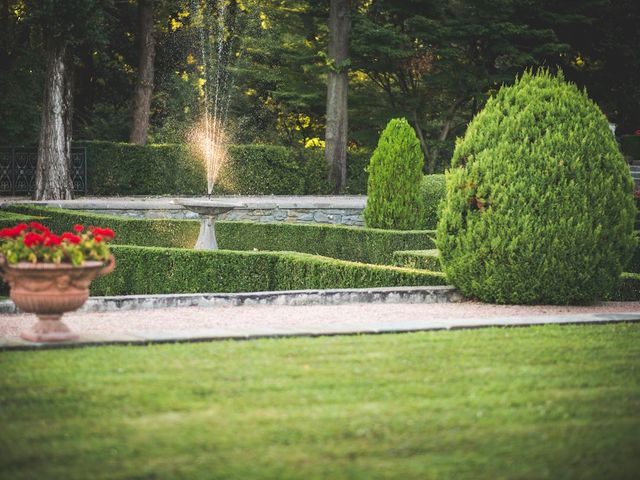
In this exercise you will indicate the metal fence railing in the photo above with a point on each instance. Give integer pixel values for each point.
(18, 170)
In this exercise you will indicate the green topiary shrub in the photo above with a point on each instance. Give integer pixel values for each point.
(539, 201)
(432, 189)
(395, 173)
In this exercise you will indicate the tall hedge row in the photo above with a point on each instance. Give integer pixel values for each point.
(432, 189)
(125, 169)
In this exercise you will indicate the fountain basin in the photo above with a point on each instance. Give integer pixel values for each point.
(209, 211)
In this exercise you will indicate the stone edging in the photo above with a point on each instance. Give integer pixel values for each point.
(435, 294)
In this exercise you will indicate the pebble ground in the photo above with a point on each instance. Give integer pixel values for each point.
(292, 317)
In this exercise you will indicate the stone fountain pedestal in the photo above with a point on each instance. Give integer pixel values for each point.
(209, 211)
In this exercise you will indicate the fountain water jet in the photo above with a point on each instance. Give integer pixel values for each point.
(208, 137)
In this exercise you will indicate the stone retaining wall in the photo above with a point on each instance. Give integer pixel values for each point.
(338, 210)
(336, 216)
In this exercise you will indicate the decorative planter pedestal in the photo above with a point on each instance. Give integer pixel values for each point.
(49, 290)
(209, 211)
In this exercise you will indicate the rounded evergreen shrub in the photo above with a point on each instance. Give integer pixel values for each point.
(395, 172)
(539, 201)
(432, 188)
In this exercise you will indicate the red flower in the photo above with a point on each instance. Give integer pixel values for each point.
(32, 238)
(39, 227)
(98, 238)
(51, 240)
(636, 194)
(78, 228)
(14, 231)
(71, 237)
(105, 232)
(637, 132)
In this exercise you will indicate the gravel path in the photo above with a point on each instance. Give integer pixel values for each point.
(247, 317)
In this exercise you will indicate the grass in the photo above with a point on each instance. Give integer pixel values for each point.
(543, 402)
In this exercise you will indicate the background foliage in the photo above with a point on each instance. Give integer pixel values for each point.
(433, 62)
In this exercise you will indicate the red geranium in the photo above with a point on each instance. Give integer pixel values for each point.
(105, 232)
(14, 232)
(39, 227)
(75, 239)
(35, 243)
(33, 238)
(52, 240)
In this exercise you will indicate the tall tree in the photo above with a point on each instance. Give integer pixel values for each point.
(337, 92)
(144, 83)
(53, 172)
(63, 25)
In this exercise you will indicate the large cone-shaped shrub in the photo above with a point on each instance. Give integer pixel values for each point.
(395, 173)
(539, 201)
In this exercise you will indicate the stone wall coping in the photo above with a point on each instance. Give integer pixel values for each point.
(265, 202)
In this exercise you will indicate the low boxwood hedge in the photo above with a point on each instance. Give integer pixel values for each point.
(151, 270)
(129, 231)
(357, 244)
(422, 259)
(10, 219)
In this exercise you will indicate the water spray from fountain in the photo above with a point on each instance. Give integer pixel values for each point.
(217, 20)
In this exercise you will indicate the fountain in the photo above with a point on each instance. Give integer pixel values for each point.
(208, 138)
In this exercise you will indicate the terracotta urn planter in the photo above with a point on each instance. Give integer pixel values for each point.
(49, 290)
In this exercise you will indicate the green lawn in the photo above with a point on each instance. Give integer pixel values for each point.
(544, 402)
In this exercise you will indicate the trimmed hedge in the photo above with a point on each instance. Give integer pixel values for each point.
(347, 243)
(628, 289)
(151, 270)
(171, 169)
(357, 174)
(433, 190)
(10, 219)
(420, 259)
(129, 231)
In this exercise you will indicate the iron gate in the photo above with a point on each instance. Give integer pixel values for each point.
(18, 170)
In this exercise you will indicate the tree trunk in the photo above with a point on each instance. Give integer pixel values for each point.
(144, 83)
(53, 170)
(337, 90)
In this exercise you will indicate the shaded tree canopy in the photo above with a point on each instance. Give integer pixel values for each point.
(433, 62)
